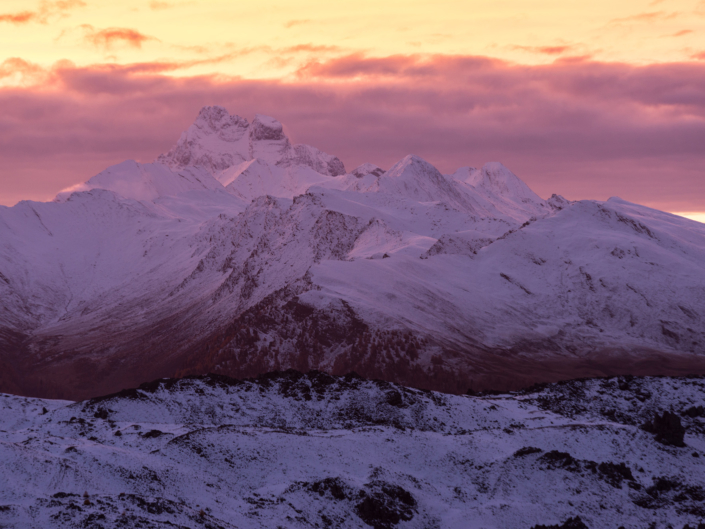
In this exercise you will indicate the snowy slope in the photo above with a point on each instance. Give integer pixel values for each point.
(240, 253)
(572, 273)
(293, 450)
(146, 182)
(255, 178)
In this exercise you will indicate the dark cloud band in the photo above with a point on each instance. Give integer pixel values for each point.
(578, 127)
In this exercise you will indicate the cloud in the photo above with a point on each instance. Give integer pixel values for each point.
(22, 71)
(700, 56)
(158, 6)
(581, 128)
(292, 23)
(396, 67)
(21, 17)
(680, 33)
(546, 50)
(109, 37)
(309, 48)
(653, 16)
(583, 81)
(43, 13)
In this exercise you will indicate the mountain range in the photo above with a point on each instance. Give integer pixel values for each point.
(239, 253)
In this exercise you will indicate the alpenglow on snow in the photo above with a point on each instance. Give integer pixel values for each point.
(238, 252)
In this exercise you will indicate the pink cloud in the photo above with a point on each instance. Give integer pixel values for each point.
(16, 67)
(546, 50)
(21, 17)
(107, 38)
(309, 48)
(292, 23)
(681, 33)
(43, 13)
(646, 17)
(577, 127)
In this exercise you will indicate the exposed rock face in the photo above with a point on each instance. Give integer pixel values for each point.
(293, 449)
(570, 523)
(317, 160)
(668, 429)
(266, 128)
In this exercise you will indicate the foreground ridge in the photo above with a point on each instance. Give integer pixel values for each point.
(305, 450)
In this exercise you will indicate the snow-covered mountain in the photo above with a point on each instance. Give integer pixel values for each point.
(217, 141)
(240, 253)
(293, 450)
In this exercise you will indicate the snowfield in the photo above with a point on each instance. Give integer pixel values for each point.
(240, 253)
(293, 450)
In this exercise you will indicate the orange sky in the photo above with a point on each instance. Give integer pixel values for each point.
(271, 39)
(293, 42)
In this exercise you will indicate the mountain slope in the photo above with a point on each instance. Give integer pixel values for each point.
(255, 178)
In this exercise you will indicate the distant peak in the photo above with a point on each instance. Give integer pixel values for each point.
(367, 168)
(497, 171)
(415, 178)
(218, 140)
(416, 163)
(412, 159)
(495, 179)
(493, 175)
(618, 199)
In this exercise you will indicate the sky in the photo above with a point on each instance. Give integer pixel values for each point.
(584, 99)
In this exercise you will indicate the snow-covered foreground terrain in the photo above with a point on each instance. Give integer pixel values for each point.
(240, 253)
(293, 450)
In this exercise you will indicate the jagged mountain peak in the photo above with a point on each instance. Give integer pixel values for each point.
(218, 140)
(216, 119)
(215, 141)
